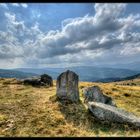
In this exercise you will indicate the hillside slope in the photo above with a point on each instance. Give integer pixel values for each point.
(30, 111)
(133, 77)
(4, 73)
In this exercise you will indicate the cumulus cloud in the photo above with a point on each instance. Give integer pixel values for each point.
(4, 5)
(89, 29)
(107, 34)
(9, 51)
(15, 4)
(17, 27)
(24, 5)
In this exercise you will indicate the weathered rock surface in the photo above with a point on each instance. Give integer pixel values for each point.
(112, 114)
(47, 79)
(43, 80)
(32, 81)
(67, 86)
(94, 93)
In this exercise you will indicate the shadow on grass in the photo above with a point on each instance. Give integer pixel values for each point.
(79, 115)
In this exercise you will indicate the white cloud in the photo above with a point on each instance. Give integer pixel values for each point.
(4, 5)
(24, 5)
(86, 29)
(15, 4)
(105, 37)
(15, 26)
(35, 14)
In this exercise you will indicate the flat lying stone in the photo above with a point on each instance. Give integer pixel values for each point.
(94, 93)
(43, 80)
(32, 81)
(112, 114)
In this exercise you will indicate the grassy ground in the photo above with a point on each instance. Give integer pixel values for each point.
(30, 111)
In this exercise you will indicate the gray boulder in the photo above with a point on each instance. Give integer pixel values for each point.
(94, 93)
(67, 86)
(109, 113)
(32, 81)
(43, 80)
(47, 79)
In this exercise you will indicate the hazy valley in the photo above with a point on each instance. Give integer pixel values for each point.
(86, 73)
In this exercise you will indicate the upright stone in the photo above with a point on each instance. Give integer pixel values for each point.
(67, 86)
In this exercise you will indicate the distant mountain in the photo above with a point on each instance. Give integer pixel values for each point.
(130, 65)
(106, 80)
(86, 73)
(132, 77)
(119, 79)
(50, 71)
(4, 73)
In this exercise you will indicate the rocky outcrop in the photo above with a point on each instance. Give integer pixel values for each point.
(94, 93)
(109, 113)
(43, 80)
(67, 86)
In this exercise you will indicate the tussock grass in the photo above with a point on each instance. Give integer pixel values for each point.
(30, 111)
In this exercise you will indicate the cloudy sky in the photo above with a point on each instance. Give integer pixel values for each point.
(59, 35)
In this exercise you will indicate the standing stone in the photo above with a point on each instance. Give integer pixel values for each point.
(67, 86)
(94, 93)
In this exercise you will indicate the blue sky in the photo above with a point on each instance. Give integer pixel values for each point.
(68, 34)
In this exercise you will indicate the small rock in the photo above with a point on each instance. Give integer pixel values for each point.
(127, 95)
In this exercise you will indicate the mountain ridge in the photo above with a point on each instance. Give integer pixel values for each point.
(7, 73)
(86, 73)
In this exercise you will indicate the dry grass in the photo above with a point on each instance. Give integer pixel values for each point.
(30, 111)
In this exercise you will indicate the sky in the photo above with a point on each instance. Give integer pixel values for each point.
(68, 34)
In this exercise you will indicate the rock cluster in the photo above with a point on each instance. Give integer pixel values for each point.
(104, 108)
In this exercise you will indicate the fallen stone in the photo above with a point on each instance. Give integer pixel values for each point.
(109, 113)
(67, 86)
(43, 80)
(32, 81)
(94, 93)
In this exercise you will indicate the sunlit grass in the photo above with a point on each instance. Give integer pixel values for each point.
(30, 111)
